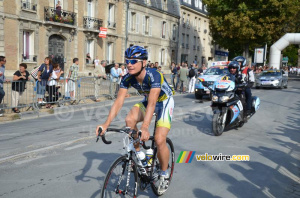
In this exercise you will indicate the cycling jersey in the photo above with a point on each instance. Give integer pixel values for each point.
(153, 79)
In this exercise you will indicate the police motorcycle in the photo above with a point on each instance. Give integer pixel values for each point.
(228, 105)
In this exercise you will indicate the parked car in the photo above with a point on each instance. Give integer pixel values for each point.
(272, 78)
(211, 75)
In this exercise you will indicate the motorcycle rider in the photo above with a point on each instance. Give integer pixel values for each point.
(248, 78)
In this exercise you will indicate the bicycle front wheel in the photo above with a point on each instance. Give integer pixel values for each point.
(121, 179)
(156, 168)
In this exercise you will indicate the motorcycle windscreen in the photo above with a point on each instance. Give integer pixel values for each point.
(255, 103)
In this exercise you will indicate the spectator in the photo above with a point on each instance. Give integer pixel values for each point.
(152, 65)
(148, 64)
(58, 9)
(183, 74)
(200, 71)
(99, 72)
(192, 76)
(2, 78)
(44, 75)
(174, 73)
(156, 65)
(204, 68)
(52, 85)
(115, 76)
(88, 58)
(177, 76)
(96, 61)
(159, 69)
(72, 76)
(18, 85)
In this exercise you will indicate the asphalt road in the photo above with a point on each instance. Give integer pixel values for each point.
(56, 156)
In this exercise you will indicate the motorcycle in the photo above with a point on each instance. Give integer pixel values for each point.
(228, 102)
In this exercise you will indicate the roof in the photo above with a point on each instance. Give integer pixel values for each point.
(173, 6)
(200, 8)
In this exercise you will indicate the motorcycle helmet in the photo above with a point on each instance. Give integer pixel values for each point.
(241, 59)
(234, 64)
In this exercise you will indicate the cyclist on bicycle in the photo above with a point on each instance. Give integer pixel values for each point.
(158, 99)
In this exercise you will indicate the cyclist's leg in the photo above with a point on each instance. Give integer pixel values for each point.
(163, 152)
(164, 112)
(136, 115)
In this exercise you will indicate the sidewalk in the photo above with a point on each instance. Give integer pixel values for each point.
(9, 117)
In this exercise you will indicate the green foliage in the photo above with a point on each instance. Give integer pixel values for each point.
(241, 25)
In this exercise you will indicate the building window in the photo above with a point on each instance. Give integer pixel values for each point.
(90, 50)
(133, 22)
(200, 4)
(149, 52)
(111, 16)
(164, 29)
(110, 51)
(183, 38)
(90, 10)
(164, 6)
(162, 56)
(190, 2)
(187, 41)
(28, 46)
(147, 25)
(61, 3)
(174, 32)
(196, 3)
(205, 8)
(199, 25)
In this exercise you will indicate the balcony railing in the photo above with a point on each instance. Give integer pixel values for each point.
(194, 47)
(187, 46)
(59, 16)
(28, 6)
(111, 24)
(29, 58)
(91, 23)
(182, 45)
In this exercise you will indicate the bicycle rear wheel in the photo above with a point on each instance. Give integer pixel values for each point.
(156, 168)
(121, 179)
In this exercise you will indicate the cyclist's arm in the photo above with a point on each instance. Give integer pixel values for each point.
(153, 96)
(116, 106)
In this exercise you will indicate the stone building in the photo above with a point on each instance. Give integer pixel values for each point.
(63, 29)
(154, 25)
(195, 42)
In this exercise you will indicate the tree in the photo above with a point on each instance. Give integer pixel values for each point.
(291, 52)
(243, 25)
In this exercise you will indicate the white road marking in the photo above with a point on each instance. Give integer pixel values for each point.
(74, 147)
(28, 160)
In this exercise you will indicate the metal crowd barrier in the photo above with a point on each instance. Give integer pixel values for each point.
(22, 97)
(85, 88)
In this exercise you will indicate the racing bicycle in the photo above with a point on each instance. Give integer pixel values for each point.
(127, 173)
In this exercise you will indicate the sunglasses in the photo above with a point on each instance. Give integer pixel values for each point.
(132, 61)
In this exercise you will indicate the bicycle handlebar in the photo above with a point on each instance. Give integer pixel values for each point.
(130, 132)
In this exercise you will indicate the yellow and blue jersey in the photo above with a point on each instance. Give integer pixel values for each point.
(153, 79)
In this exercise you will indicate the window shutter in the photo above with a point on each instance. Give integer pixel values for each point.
(168, 30)
(166, 57)
(137, 22)
(144, 24)
(159, 56)
(129, 21)
(150, 26)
